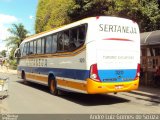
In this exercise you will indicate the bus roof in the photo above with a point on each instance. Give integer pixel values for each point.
(41, 34)
(57, 29)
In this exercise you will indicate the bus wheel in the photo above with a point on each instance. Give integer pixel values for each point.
(53, 87)
(24, 78)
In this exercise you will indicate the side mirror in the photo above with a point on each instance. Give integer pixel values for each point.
(17, 53)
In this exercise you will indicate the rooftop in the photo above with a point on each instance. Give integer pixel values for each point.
(150, 38)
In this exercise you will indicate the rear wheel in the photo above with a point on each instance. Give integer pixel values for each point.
(53, 86)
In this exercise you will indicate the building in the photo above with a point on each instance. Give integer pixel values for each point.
(150, 55)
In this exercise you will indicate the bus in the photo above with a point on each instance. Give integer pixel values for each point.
(94, 55)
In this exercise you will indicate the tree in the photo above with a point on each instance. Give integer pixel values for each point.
(150, 15)
(11, 55)
(159, 4)
(145, 12)
(54, 13)
(88, 8)
(51, 14)
(3, 53)
(18, 34)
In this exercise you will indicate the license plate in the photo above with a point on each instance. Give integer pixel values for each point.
(118, 87)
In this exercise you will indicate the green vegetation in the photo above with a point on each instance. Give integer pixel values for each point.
(18, 34)
(87, 8)
(145, 12)
(54, 13)
(3, 53)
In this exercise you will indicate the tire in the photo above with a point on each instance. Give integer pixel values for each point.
(53, 86)
(24, 78)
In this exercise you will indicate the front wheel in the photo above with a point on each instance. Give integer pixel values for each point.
(24, 78)
(53, 87)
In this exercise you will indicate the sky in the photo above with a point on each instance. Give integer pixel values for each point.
(16, 11)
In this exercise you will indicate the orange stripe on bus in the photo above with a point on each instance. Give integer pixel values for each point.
(42, 78)
(65, 83)
(36, 77)
(29, 76)
(71, 84)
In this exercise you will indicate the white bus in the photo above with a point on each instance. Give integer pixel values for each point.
(94, 55)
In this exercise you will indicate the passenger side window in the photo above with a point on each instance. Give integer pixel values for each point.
(39, 46)
(21, 50)
(60, 46)
(63, 41)
(35, 47)
(81, 35)
(73, 38)
(31, 48)
(43, 45)
(66, 40)
(49, 44)
(28, 45)
(54, 43)
(24, 50)
(77, 37)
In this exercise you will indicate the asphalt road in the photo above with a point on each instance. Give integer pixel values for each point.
(35, 99)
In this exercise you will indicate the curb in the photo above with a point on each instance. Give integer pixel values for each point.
(151, 93)
(146, 94)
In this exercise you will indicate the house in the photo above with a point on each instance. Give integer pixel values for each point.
(150, 55)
